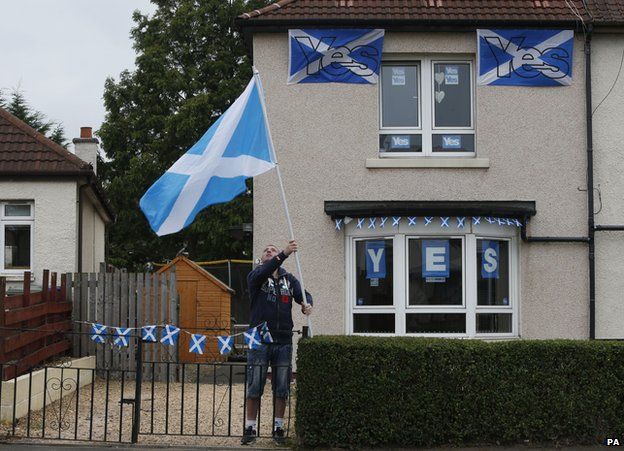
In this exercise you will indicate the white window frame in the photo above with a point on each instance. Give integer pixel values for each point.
(426, 116)
(16, 220)
(400, 307)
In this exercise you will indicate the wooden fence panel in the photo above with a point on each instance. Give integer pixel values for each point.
(108, 315)
(132, 316)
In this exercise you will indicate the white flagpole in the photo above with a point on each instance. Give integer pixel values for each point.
(256, 75)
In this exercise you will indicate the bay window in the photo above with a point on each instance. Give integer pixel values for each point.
(432, 281)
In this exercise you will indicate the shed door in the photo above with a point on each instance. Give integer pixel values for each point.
(187, 289)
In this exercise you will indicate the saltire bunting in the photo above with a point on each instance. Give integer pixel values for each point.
(226, 343)
(170, 335)
(476, 220)
(349, 55)
(214, 169)
(444, 222)
(395, 221)
(461, 222)
(411, 221)
(148, 333)
(121, 336)
(534, 57)
(197, 344)
(371, 223)
(252, 338)
(382, 222)
(98, 333)
(360, 222)
(338, 223)
(266, 334)
(428, 220)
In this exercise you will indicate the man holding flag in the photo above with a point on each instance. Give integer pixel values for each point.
(272, 290)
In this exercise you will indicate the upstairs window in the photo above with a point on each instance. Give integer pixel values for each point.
(427, 108)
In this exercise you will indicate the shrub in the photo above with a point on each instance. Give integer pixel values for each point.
(370, 391)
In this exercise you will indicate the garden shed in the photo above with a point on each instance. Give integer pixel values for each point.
(204, 307)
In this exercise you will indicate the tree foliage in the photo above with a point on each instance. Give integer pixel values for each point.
(191, 65)
(18, 106)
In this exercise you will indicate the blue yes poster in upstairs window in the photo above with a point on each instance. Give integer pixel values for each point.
(375, 259)
(435, 260)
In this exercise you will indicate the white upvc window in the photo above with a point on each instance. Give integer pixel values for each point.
(16, 236)
(444, 282)
(427, 107)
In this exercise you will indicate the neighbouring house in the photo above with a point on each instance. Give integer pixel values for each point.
(428, 204)
(53, 214)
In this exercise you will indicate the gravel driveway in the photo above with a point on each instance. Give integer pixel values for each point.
(212, 411)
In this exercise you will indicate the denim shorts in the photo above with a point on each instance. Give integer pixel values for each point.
(258, 361)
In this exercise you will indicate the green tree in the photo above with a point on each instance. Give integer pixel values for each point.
(191, 65)
(18, 106)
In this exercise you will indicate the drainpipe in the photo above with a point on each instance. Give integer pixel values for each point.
(551, 239)
(80, 227)
(590, 186)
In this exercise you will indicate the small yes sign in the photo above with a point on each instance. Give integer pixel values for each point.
(490, 259)
(375, 259)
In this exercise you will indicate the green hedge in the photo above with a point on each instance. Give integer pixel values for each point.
(370, 391)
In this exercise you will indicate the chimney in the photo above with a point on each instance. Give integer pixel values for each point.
(86, 147)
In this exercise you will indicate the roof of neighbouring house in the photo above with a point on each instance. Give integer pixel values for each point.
(434, 12)
(25, 152)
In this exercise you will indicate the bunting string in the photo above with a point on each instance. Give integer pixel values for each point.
(445, 222)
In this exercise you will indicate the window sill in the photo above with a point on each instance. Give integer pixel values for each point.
(16, 277)
(426, 162)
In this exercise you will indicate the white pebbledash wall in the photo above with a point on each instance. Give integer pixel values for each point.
(534, 139)
(608, 168)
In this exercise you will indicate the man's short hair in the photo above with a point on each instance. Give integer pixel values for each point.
(273, 245)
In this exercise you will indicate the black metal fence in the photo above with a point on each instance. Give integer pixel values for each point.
(100, 403)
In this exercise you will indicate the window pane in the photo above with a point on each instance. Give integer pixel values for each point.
(373, 323)
(452, 94)
(17, 210)
(492, 323)
(435, 272)
(400, 143)
(435, 323)
(492, 272)
(453, 143)
(17, 247)
(399, 96)
(373, 272)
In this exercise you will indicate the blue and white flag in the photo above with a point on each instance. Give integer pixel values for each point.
(98, 333)
(121, 336)
(148, 333)
(226, 343)
(170, 335)
(525, 57)
(266, 334)
(197, 344)
(214, 170)
(252, 338)
(334, 56)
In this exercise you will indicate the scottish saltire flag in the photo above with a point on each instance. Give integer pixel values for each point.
(197, 344)
(334, 56)
(525, 57)
(226, 343)
(252, 338)
(266, 334)
(170, 335)
(98, 333)
(148, 333)
(121, 336)
(214, 170)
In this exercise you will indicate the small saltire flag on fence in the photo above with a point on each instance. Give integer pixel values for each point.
(215, 168)
(334, 56)
(98, 333)
(266, 334)
(197, 344)
(226, 343)
(252, 338)
(170, 335)
(525, 57)
(148, 333)
(121, 336)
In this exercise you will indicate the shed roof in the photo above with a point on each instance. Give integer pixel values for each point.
(201, 271)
